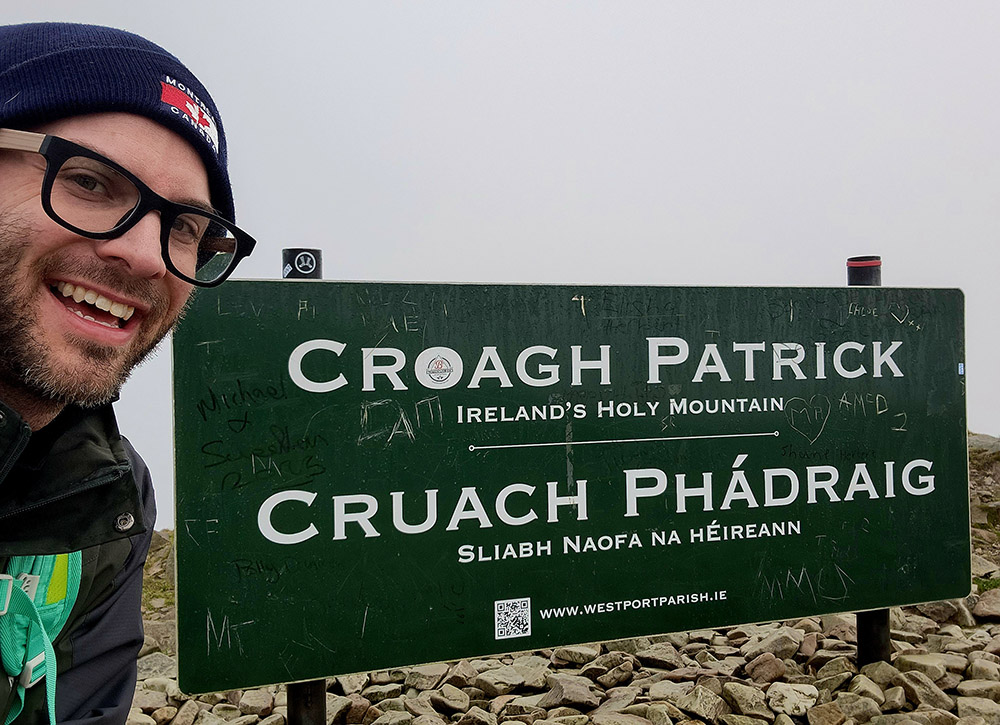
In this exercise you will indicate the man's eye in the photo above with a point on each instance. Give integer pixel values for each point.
(186, 229)
(85, 181)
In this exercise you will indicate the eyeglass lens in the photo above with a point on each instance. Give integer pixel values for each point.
(92, 196)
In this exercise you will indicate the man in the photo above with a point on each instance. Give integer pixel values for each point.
(114, 203)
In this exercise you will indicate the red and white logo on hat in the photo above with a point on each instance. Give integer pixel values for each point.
(184, 102)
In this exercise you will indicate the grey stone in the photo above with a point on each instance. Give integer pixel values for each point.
(376, 693)
(569, 691)
(765, 668)
(983, 568)
(964, 616)
(622, 698)
(226, 710)
(428, 720)
(500, 681)
(631, 645)
(149, 700)
(138, 717)
(420, 705)
(989, 689)
(938, 611)
(477, 716)
(257, 702)
(205, 717)
(245, 720)
(730, 665)
(617, 718)
(970, 720)
(979, 707)
(620, 675)
(934, 716)
(337, 707)
(386, 677)
(793, 700)
(426, 677)
(160, 684)
(982, 669)
(950, 681)
(396, 717)
(703, 703)
(921, 690)
(450, 699)
(746, 700)
(349, 684)
(821, 656)
(929, 664)
(358, 710)
(669, 691)
(864, 686)
(826, 714)
(659, 714)
(833, 682)
(782, 643)
(569, 720)
(187, 713)
(461, 674)
(156, 664)
(534, 670)
(897, 719)
(662, 655)
(836, 666)
(578, 654)
(561, 712)
(881, 673)
(858, 708)
(988, 607)
(895, 699)
(163, 715)
(841, 626)
(732, 719)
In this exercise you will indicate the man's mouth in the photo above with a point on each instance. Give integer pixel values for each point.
(93, 306)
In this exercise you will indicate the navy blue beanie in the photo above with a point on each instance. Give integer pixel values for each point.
(50, 71)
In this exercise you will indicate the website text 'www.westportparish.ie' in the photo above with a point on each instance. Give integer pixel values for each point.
(631, 604)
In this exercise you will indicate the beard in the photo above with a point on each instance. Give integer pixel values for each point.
(27, 362)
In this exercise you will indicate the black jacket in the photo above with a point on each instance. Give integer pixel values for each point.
(77, 484)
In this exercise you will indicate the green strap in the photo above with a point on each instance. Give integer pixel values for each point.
(15, 651)
(32, 622)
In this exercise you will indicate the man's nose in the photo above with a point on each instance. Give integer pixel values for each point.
(138, 248)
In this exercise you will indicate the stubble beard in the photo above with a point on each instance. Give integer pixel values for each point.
(28, 365)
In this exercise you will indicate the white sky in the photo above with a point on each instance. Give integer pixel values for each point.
(612, 141)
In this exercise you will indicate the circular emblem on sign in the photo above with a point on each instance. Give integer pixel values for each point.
(305, 262)
(439, 369)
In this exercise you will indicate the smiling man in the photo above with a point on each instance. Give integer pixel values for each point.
(115, 203)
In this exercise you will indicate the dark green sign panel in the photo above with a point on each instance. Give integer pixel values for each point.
(372, 475)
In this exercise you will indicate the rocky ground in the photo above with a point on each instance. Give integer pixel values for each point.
(945, 666)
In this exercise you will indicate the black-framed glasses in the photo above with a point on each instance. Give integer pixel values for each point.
(96, 198)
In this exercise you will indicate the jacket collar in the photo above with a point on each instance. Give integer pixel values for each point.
(66, 486)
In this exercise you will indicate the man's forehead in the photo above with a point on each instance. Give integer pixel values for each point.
(163, 159)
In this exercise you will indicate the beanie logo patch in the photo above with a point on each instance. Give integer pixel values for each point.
(185, 104)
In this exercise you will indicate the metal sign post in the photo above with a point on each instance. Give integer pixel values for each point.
(306, 700)
(873, 626)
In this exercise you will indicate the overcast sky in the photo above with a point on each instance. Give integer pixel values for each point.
(653, 142)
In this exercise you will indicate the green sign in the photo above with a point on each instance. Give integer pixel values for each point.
(371, 475)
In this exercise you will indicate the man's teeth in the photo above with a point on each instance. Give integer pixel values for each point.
(81, 294)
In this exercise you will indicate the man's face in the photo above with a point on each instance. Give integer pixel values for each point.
(79, 313)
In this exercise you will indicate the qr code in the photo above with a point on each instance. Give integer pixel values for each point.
(512, 618)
